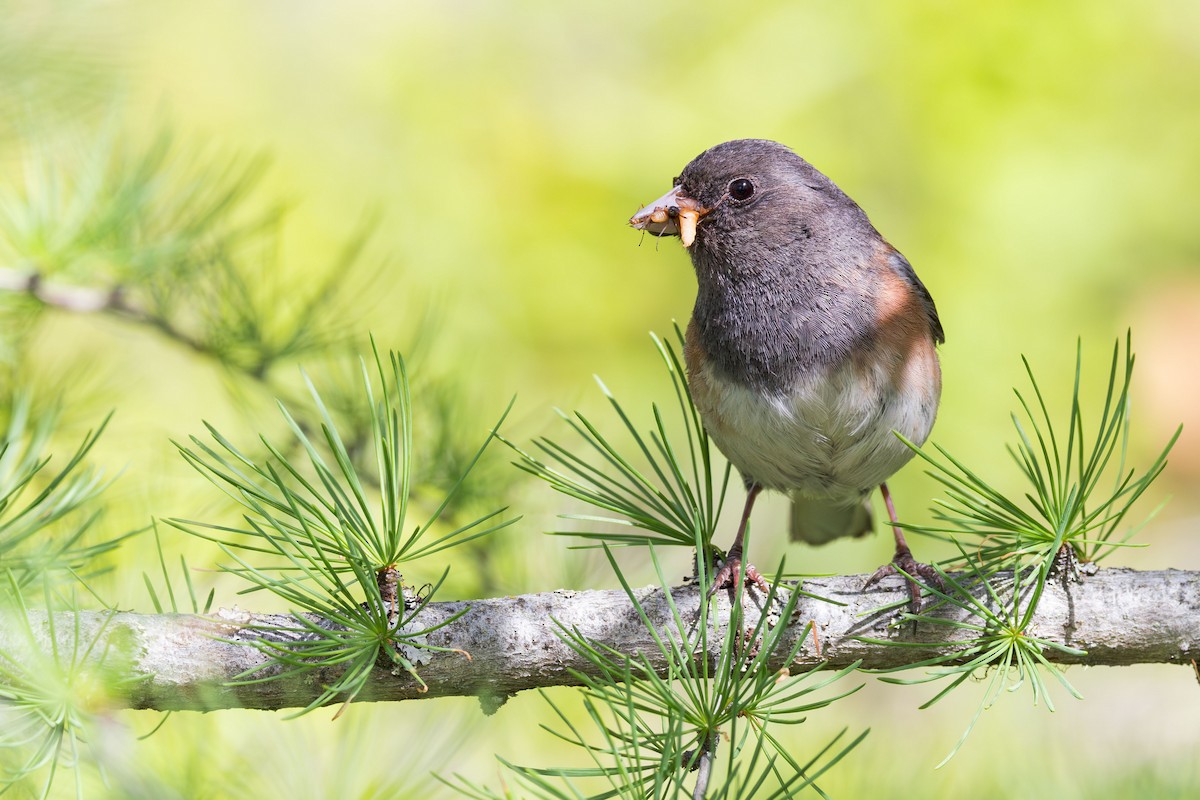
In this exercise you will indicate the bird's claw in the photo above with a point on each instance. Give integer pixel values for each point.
(905, 565)
(729, 575)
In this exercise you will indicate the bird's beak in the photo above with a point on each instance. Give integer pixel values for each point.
(673, 214)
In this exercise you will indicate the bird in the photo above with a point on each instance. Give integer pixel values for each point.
(811, 344)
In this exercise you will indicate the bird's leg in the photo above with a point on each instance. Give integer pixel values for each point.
(728, 575)
(903, 560)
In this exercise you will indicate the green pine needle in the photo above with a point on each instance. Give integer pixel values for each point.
(999, 648)
(319, 517)
(663, 489)
(45, 513)
(645, 733)
(1080, 487)
(1079, 492)
(316, 537)
(54, 690)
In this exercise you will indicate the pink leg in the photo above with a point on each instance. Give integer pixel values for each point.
(903, 560)
(901, 544)
(728, 575)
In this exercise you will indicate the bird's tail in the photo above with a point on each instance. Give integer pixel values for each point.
(821, 521)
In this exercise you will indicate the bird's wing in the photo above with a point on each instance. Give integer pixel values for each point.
(900, 264)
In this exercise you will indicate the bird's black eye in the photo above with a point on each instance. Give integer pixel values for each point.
(741, 189)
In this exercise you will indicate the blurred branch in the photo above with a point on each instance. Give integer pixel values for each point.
(1119, 616)
(118, 300)
(176, 238)
(88, 300)
(79, 299)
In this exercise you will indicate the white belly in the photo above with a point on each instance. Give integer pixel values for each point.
(829, 437)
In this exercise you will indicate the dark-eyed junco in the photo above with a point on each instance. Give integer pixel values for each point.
(811, 341)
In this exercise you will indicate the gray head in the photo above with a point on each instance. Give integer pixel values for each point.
(779, 252)
(748, 196)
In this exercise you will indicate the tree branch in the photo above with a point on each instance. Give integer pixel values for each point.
(93, 300)
(175, 661)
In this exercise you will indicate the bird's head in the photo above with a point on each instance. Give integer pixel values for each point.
(749, 195)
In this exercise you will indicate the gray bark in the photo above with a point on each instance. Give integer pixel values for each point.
(1119, 616)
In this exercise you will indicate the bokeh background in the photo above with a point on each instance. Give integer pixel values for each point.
(1038, 163)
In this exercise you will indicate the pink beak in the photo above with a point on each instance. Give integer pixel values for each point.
(673, 214)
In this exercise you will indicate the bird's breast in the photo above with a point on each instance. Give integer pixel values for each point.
(829, 431)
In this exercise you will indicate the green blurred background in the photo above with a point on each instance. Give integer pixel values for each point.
(1038, 163)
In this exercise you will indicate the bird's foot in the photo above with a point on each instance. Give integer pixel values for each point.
(729, 575)
(904, 564)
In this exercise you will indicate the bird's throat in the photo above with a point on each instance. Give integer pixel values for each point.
(764, 328)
